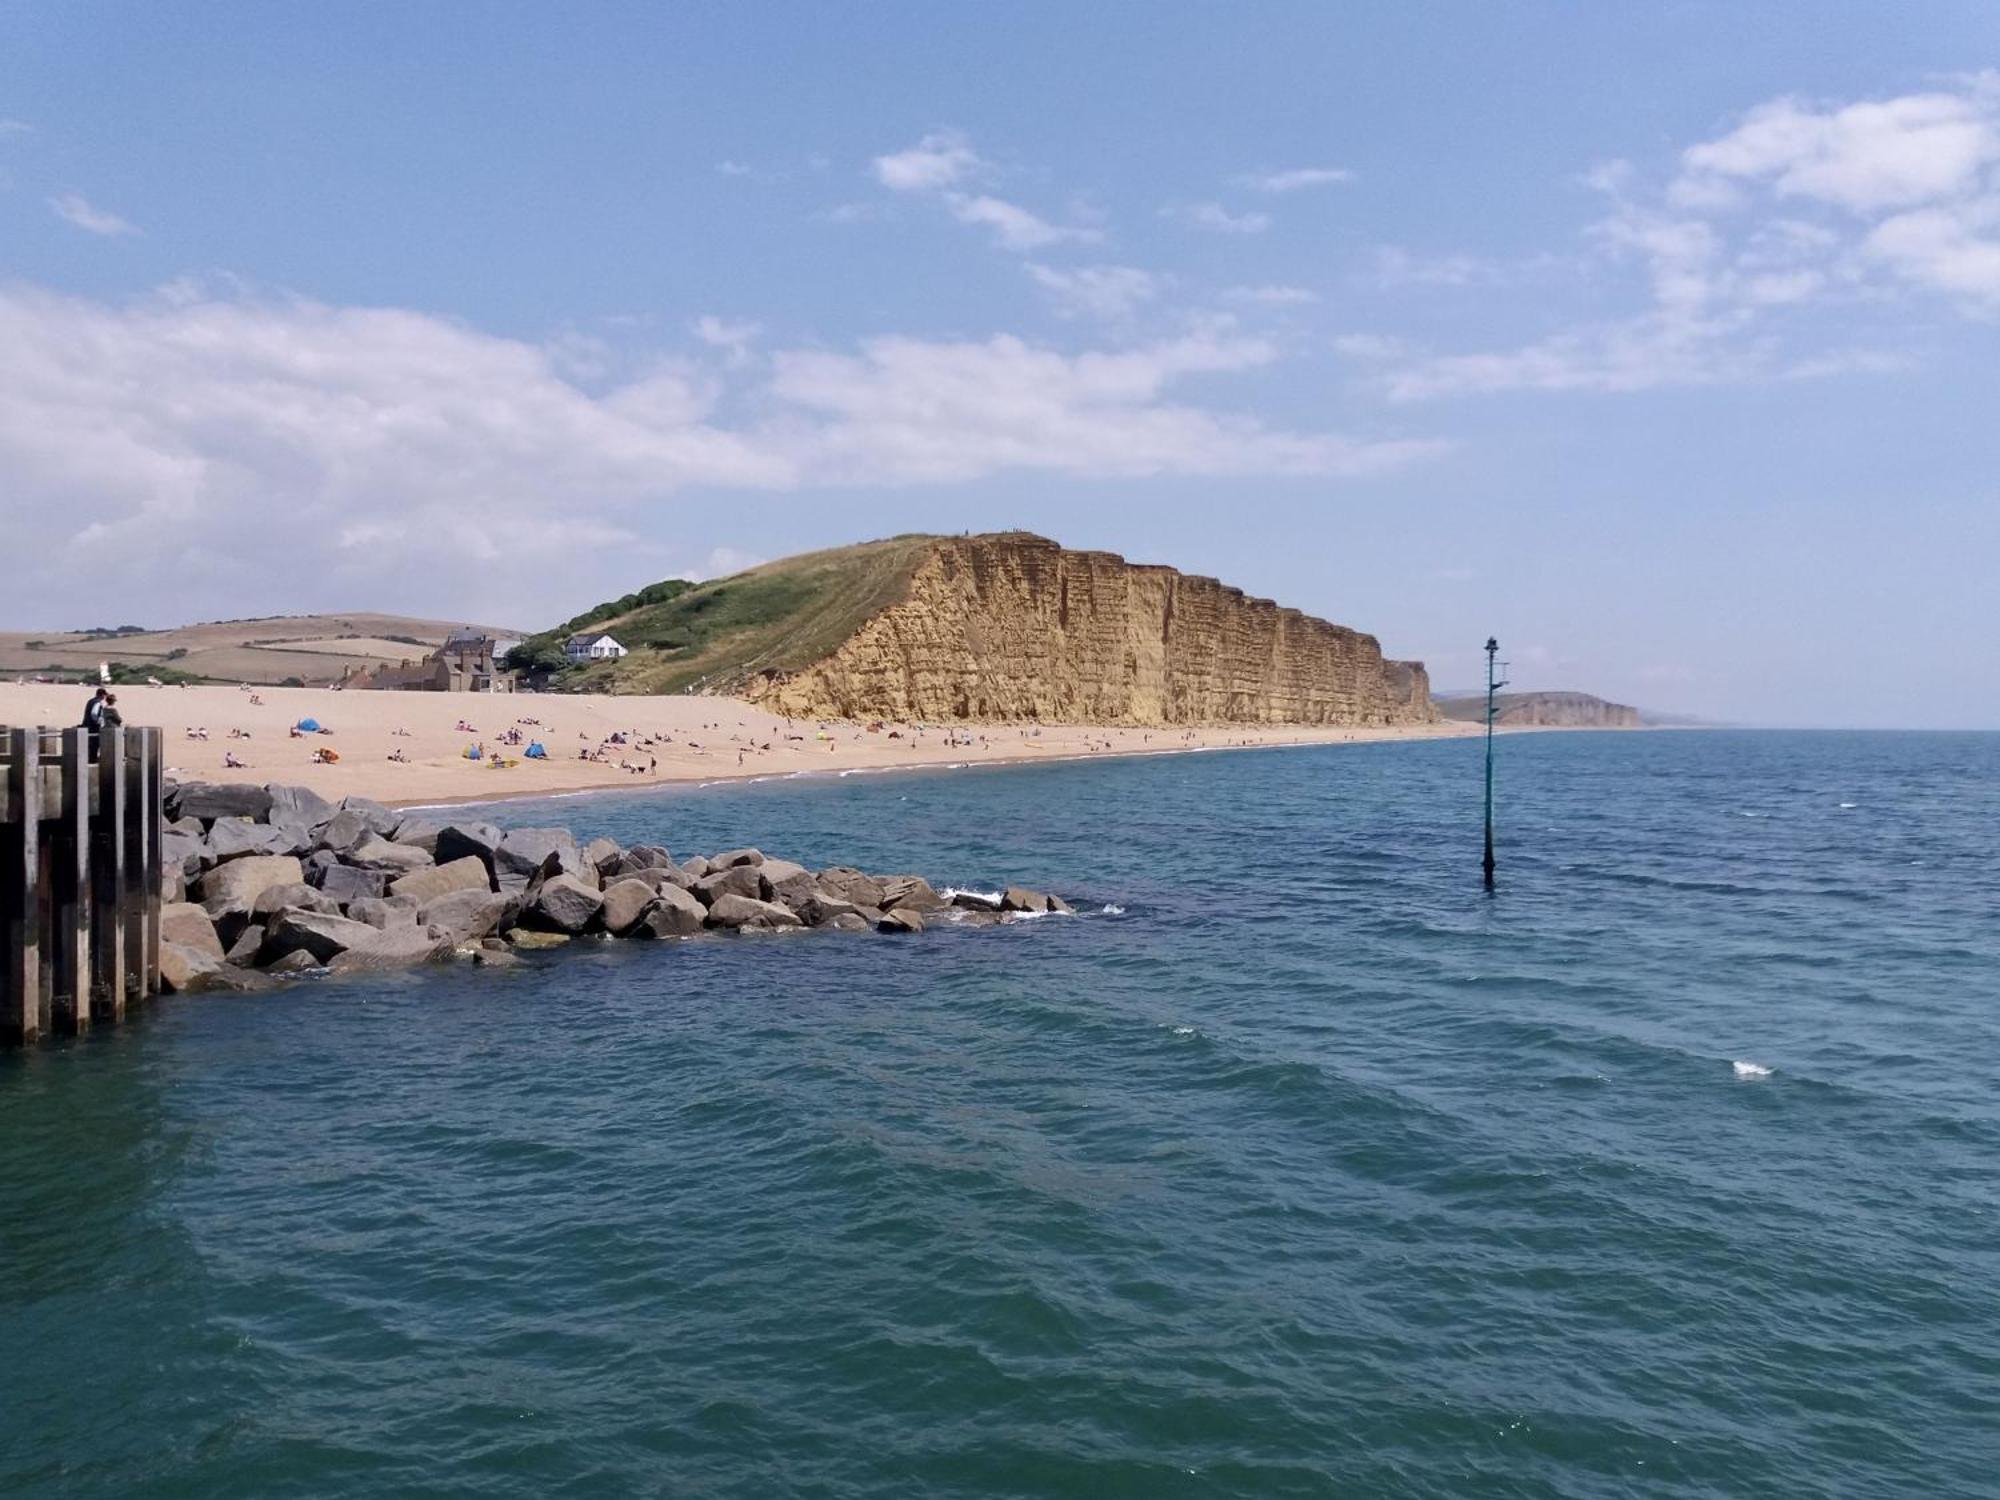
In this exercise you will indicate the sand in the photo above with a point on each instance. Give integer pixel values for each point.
(669, 739)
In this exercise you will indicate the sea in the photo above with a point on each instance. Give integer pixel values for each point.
(1295, 1164)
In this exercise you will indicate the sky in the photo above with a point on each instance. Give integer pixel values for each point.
(1655, 339)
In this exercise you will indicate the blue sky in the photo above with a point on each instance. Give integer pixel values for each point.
(1657, 340)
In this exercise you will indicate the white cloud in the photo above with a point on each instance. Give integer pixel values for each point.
(940, 159)
(733, 169)
(284, 453)
(939, 413)
(15, 127)
(733, 336)
(75, 209)
(1798, 207)
(1295, 179)
(1111, 293)
(1013, 226)
(1397, 267)
(1371, 346)
(1216, 218)
(1272, 296)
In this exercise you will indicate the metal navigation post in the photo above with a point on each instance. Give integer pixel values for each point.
(1493, 685)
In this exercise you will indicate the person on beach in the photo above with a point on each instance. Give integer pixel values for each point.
(93, 711)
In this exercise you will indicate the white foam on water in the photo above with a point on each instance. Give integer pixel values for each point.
(1750, 1072)
(1183, 1030)
(1849, 805)
(1112, 911)
(965, 890)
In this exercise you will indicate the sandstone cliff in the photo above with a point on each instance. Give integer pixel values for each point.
(1012, 626)
(1544, 711)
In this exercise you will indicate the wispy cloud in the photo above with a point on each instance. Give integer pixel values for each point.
(1272, 296)
(1015, 227)
(74, 208)
(1295, 179)
(938, 160)
(1800, 205)
(1108, 293)
(1219, 220)
(15, 127)
(146, 444)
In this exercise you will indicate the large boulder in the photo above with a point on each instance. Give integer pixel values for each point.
(184, 923)
(292, 896)
(418, 833)
(694, 867)
(623, 901)
(732, 857)
(1020, 898)
(183, 970)
(232, 838)
(376, 853)
(347, 883)
(851, 885)
(324, 937)
(395, 948)
(187, 852)
(524, 852)
(527, 938)
(466, 874)
(235, 886)
(910, 893)
(602, 855)
(741, 913)
(734, 880)
(298, 804)
(1057, 904)
(975, 901)
(342, 831)
(385, 911)
(563, 904)
(900, 919)
(818, 909)
(381, 821)
(671, 913)
(786, 883)
(458, 840)
(243, 952)
(209, 800)
(464, 916)
(642, 857)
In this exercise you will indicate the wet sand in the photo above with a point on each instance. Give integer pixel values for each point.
(667, 739)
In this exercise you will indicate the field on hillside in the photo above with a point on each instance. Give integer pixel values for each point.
(311, 648)
(782, 616)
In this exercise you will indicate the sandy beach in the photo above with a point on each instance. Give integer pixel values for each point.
(664, 739)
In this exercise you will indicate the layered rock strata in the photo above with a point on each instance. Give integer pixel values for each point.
(1014, 627)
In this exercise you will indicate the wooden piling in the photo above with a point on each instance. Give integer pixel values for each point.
(20, 884)
(107, 868)
(132, 890)
(70, 956)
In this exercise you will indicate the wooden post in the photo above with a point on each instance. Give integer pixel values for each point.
(132, 894)
(20, 883)
(70, 953)
(156, 831)
(107, 881)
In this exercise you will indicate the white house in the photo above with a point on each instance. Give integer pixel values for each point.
(592, 648)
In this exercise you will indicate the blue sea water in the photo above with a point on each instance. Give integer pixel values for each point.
(1295, 1167)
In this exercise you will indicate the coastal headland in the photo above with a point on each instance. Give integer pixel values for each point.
(671, 738)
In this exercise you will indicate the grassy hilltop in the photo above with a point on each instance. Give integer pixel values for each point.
(714, 636)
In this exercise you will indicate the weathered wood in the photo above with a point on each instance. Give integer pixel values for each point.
(70, 953)
(156, 828)
(107, 881)
(20, 884)
(132, 893)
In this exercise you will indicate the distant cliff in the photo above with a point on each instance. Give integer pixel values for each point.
(1543, 711)
(1006, 626)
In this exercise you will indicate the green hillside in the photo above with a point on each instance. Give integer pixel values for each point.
(714, 636)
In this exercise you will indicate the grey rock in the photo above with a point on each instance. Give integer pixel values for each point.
(235, 887)
(426, 885)
(211, 800)
(563, 904)
(487, 958)
(910, 893)
(456, 841)
(671, 913)
(466, 916)
(298, 961)
(819, 909)
(418, 833)
(623, 901)
(899, 919)
(642, 857)
(187, 852)
(851, 885)
(1020, 898)
(377, 853)
(381, 821)
(232, 838)
(603, 855)
(526, 938)
(384, 911)
(187, 924)
(741, 913)
(394, 948)
(694, 867)
(733, 880)
(293, 895)
(347, 883)
(343, 831)
(524, 852)
(298, 804)
(849, 921)
(243, 952)
(185, 970)
(974, 901)
(733, 857)
(1057, 904)
(324, 937)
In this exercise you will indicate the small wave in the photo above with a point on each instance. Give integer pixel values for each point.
(1181, 1030)
(1750, 1072)
(966, 890)
(1109, 910)
(1849, 806)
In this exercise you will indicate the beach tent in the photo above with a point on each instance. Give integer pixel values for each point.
(535, 751)
(472, 752)
(310, 726)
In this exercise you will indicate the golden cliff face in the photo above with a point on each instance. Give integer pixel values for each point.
(1015, 627)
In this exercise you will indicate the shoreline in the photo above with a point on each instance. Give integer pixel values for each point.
(674, 740)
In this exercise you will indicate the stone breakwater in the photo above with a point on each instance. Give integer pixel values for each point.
(272, 880)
